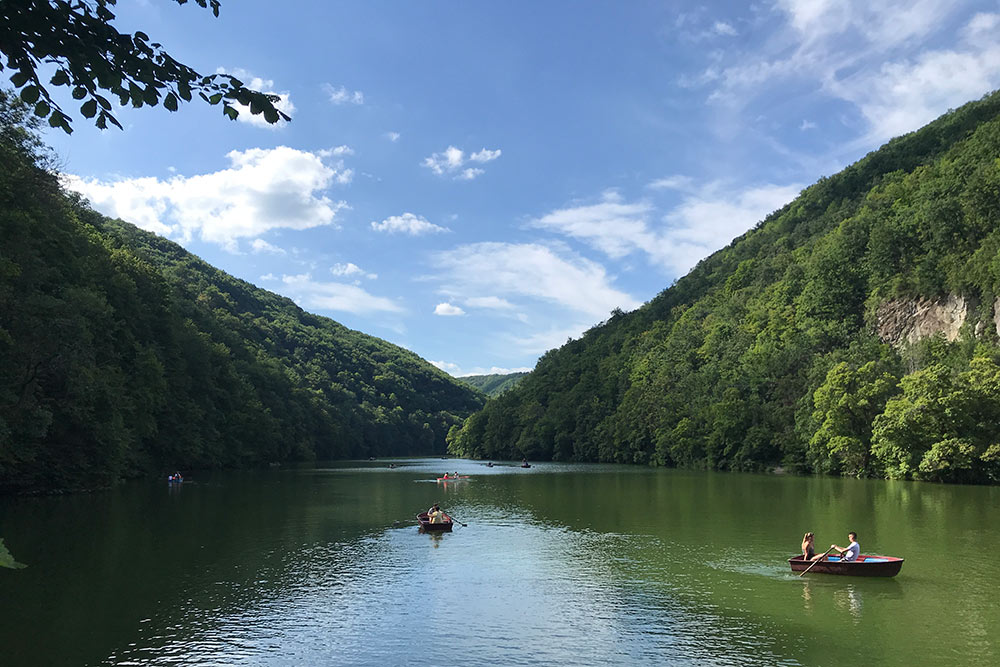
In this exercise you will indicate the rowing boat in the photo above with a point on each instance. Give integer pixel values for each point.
(864, 566)
(452, 479)
(425, 523)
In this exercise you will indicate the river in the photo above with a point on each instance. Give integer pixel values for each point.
(557, 565)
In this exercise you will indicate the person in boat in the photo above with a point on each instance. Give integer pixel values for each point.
(435, 514)
(808, 550)
(446, 476)
(852, 550)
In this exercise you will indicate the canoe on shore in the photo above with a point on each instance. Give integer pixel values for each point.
(864, 566)
(425, 523)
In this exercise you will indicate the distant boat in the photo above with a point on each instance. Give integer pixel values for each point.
(425, 523)
(525, 465)
(452, 479)
(864, 566)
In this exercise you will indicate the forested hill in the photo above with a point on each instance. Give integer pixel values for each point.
(853, 331)
(121, 354)
(495, 384)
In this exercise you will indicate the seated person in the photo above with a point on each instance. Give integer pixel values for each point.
(808, 551)
(852, 550)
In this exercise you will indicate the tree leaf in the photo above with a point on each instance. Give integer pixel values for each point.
(42, 109)
(60, 78)
(231, 112)
(30, 94)
(19, 78)
(89, 108)
(170, 102)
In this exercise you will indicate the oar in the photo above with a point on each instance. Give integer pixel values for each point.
(817, 561)
(463, 525)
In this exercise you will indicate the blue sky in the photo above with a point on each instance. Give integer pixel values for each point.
(480, 181)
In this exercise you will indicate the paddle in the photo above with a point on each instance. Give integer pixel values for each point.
(817, 561)
(463, 525)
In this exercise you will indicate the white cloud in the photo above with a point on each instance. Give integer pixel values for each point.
(451, 160)
(485, 155)
(873, 55)
(807, 125)
(351, 269)
(268, 277)
(260, 245)
(723, 28)
(446, 366)
(470, 173)
(549, 275)
(448, 310)
(262, 190)
(705, 220)
(490, 302)
(335, 296)
(252, 82)
(456, 371)
(612, 226)
(337, 151)
(676, 182)
(903, 96)
(341, 95)
(408, 223)
(392, 136)
(542, 341)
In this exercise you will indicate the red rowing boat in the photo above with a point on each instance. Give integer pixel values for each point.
(864, 566)
(425, 523)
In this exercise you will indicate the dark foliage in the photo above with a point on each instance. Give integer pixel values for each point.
(121, 354)
(90, 55)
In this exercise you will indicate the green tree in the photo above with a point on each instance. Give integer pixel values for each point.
(846, 405)
(89, 55)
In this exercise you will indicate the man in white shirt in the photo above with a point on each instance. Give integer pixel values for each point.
(852, 551)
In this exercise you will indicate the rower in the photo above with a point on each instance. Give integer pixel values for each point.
(852, 550)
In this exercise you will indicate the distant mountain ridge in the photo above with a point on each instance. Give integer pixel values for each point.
(122, 354)
(853, 331)
(495, 384)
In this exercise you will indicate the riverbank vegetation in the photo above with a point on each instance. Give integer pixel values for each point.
(779, 350)
(121, 354)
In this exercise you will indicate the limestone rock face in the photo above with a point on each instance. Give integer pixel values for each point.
(907, 320)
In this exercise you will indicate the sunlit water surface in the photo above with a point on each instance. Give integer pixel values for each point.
(557, 565)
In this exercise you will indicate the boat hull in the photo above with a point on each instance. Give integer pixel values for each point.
(864, 566)
(427, 526)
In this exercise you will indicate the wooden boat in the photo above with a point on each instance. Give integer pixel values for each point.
(864, 566)
(425, 523)
(452, 479)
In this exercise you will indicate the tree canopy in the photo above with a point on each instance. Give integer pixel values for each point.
(76, 39)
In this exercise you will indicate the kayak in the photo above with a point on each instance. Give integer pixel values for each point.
(425, 523)
(864, 566)
(452, 479)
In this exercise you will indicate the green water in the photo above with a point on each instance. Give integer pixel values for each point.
(558, 565)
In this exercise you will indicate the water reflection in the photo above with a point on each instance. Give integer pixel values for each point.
(849, 598)
(562, 565)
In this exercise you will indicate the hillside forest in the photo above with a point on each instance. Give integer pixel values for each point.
(854, 331)
(122, 355)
